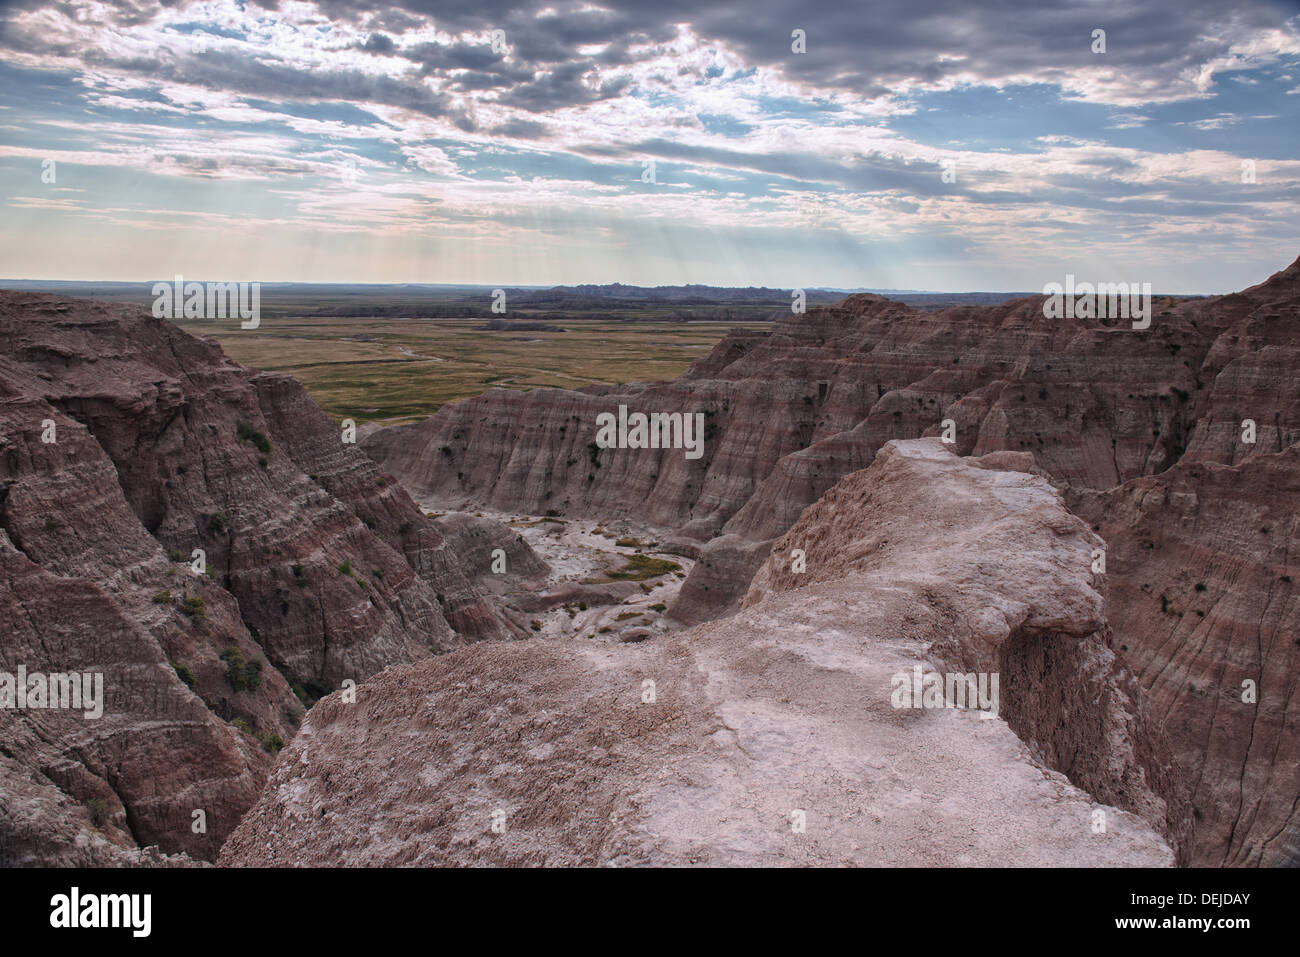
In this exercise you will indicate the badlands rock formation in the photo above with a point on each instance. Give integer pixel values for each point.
(769, 737)
(125, 444)
(1107, 412)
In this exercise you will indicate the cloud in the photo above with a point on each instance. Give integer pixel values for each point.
(404, 118)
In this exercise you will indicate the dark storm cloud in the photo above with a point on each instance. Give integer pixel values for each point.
(865, 50)
(870, 48)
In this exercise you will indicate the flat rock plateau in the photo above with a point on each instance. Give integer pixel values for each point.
(564, 654)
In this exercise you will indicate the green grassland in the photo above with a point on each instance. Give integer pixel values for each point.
(401, 370)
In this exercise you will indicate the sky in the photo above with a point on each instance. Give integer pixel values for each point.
(819, 143)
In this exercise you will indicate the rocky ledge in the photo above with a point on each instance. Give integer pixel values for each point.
(773, 736)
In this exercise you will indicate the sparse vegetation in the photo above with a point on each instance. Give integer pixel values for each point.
(241, 674)
(184, 673)
(162, 597)
(638, 568)
(194, 606)
(249, 434)
(99, 811)
(271, 741)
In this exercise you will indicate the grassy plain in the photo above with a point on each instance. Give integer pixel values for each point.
(401, 370)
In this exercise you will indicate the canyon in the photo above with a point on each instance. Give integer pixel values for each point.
(422, 649)
(125, 445)
(1140, 429)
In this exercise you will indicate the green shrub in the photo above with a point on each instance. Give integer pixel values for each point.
(249, 434)
(242, 675)
(162, 597)
(184, 674)
(271, 741)
(641, 567)
(99, 811)
(194, 606)
(345, 568)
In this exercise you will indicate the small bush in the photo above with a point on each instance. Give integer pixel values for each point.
(162, 597)
(184, 674)
(173, 555)
(345, 568)
(271, 741)
(378, 573)
(249, 434)
(535, 625)
(241, 674)
(194, 606)
(99, 811)
(242, 725)
(659, 606)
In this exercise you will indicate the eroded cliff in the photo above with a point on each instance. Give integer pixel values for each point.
(125, 445)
